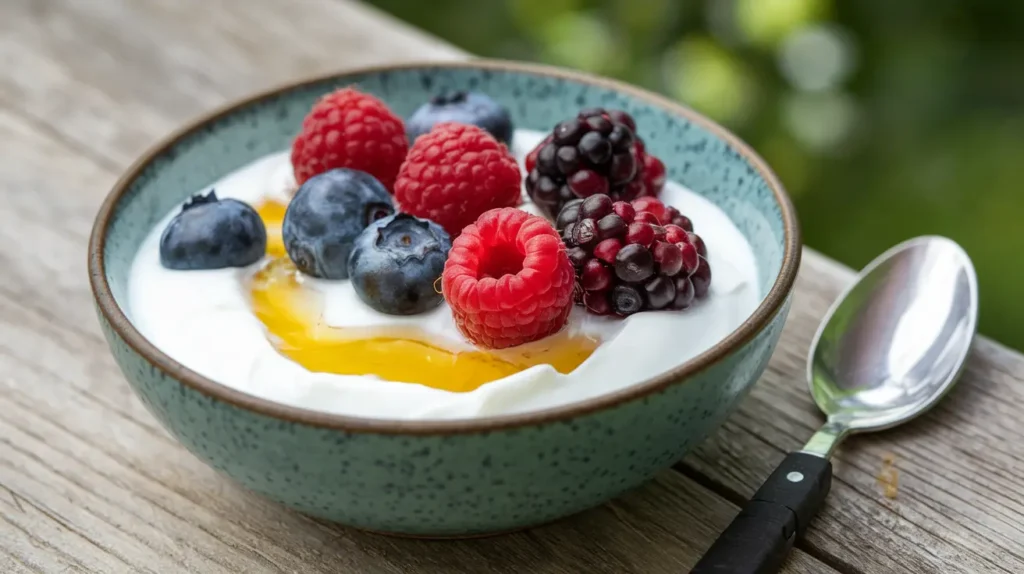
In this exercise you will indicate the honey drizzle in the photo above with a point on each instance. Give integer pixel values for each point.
(292, 314)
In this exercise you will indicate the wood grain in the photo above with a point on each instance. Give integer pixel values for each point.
(90, 483)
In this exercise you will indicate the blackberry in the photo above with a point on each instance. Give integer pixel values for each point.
(633, 256)
(595, 153)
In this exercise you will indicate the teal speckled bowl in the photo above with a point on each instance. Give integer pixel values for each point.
(448, 478)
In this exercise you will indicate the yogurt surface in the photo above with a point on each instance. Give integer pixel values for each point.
(203, 320)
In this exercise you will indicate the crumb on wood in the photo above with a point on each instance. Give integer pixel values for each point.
(889, 476)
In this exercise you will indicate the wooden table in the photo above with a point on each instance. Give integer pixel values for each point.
(89, 481)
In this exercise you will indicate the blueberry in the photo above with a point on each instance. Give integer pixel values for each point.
(463, 107)
(212, 233)
(327, 214)
(396, 262)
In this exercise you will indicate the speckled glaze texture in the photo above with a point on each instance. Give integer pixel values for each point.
(475, 481)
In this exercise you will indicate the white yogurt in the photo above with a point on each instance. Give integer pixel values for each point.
(202, 319)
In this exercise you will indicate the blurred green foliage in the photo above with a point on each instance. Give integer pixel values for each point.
(885, 120)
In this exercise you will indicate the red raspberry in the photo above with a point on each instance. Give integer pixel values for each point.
(348, 128)
(454, 173)
(508, 279)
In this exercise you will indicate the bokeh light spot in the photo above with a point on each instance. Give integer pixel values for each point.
(581, 41)
(821, 122)
(817, 57)
(704, 75)
(767, 22)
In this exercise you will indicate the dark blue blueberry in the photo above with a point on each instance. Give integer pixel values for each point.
(463, 107)
(396, 262)
(327, 214)
(212, 233)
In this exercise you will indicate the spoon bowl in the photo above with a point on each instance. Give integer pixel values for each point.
(893, 344)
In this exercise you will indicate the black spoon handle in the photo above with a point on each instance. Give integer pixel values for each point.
(759, 538)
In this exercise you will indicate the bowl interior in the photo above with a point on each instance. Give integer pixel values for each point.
(695, 152)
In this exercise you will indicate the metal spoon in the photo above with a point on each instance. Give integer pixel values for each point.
(888, 350)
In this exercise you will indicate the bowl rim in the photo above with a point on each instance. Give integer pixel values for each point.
(750, 327)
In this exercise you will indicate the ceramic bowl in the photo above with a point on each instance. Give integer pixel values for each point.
(448, 478)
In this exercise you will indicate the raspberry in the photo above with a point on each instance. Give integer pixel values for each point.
(595, 153)
(454, 173)
(626, 260)
(348, 128)
(508, 279)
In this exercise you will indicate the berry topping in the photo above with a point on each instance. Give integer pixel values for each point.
(594, 153)
(654, 174)
(660, 291)
(646, 217)
(626, 260)
(211, 233)
(697, 242)
(326, 215)
(624, 210)
(684, 294)
(508, 279)
(675, 234)
(348, 128)
(701, 278)
(395, 263)
(669, 257)
(640, 233)
(652, 210)
(689, 257)
(653, 206)
(607, 249)
(454, 173)
(611, 225)
(597, 302)
(471, 108)
(596, 276)
(666, 215)
(626, 300)
(634, 263)
(596, 207)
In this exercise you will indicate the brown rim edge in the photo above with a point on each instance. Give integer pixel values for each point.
(771, 304)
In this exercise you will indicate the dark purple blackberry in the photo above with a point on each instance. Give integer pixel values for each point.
(626, 260)
(594, 153)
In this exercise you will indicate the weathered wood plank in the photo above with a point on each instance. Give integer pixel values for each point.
(113, 76)
(959, 506)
